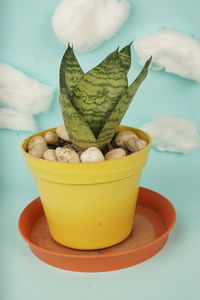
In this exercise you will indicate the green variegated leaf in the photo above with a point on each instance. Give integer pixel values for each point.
(132, 89)
(70, 70)
(125, 55)
(93, 104)
(99, 90)
(79, 132)
(118, 113)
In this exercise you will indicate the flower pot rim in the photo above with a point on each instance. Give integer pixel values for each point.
(88, 173)
(121, 127)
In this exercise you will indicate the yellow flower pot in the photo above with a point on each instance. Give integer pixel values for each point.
(89, 205)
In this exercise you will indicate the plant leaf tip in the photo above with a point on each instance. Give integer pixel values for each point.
(130, 44)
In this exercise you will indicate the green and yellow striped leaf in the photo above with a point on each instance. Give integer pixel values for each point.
(99, 90)
(118, 113)
(125, 56)
(132, 89)
(70, 70)
(79, 132)
(93, 104)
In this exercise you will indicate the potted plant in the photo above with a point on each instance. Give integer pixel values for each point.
(89, 200)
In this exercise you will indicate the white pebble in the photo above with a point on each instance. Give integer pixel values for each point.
(140, 144)
(92, 154)
(123, 136)
(67, 155)
(131, 144)
(36, 140)
(62, 133)
(38, 150)
(51, 137)
(115, 153)
(50, 155)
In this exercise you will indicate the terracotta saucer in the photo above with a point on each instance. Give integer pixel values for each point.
(155, 218)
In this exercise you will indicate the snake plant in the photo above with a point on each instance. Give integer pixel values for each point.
(94, 103)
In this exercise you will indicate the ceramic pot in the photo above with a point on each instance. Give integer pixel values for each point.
(89, 205)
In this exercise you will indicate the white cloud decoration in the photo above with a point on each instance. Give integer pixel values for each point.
(21, 97)
(174, 51)
(87, 23)
(173, 134)
(15, 120)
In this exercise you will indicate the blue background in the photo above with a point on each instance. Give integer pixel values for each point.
(29, 44)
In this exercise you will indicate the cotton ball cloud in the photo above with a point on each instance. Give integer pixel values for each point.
(86, 23)
(174, 51)
(26, 97)
(15, 120)
(173, 134)
(22, 92)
